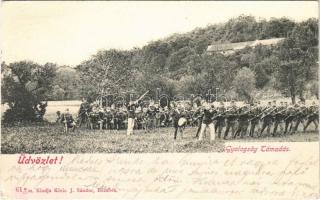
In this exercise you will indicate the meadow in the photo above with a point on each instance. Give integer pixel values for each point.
(50, 138)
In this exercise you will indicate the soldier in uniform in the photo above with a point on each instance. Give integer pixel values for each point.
(108, 118)
(176, 114)
(157, 116)
(131, 117)
(122, 117)
(198, 116)
(301, 113)
(58, 117)
(243, 121)
(139, 117)
(94, 116)
(68, 121)
(162, 117)
(152, 116)
(167, 116)
(254, 114)
(220, 119)
(312, 116)
(231, 116)
(207, 121)
(279, 117)
(114, 122)
(267, 118)
(101, 118)
(289, 119)
(145, 119)
(84, 110)
(116, 119)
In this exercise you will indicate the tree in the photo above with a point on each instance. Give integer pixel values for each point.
(106, 70)
(58, 93)
(314, 89)
(305, 34)
(291, 79)
(277, 28)
(264, 70)
(66, 84)
(298, 56)
(242, 28)
(244, 83)
(25, 88)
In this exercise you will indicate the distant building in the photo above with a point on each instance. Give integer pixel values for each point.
(228, 48)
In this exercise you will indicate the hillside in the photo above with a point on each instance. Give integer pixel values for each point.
(180, 64)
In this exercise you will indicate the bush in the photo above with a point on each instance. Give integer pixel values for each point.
(24, 88)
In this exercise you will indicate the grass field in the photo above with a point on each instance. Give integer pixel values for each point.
(49, 138)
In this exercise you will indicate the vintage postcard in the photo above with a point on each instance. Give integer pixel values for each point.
(159, 100)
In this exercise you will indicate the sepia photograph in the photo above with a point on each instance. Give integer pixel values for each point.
(157, 77)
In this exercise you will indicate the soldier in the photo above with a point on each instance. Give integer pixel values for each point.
(68, 121)
(167, 116)
(162, 117)
(85, 108)
(37, 115)
(193, 115)
(152, 116)
(243, 121)
(122, 117)
(131, 117)
(231, 116)
(198, 116)
(176, 115)
(289, 119)
(301, 113)
(312, 116)
(157, 116)
(139, 117)
(94, 116)
(279, 117)
(267, 118)
(183, 120)
(207, 121)
(108, 118)
(220, 119)
(101, 118)
(254, 114)
(114, 120)
(58, 117)
(145, 119)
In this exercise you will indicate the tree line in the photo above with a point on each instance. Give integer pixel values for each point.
(180, 64)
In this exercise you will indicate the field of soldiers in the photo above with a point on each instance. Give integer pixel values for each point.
(104, 129)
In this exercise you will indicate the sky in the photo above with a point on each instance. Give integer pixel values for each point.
(68, 33)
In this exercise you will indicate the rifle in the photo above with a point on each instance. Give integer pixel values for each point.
(297, 113)
(269, 112)
(80, 114)
(313, 114)
(263, 112)
(141, 97)
(281, 111)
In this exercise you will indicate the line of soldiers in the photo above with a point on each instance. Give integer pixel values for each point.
(116, 118)
(255, 119)
(230, 122)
